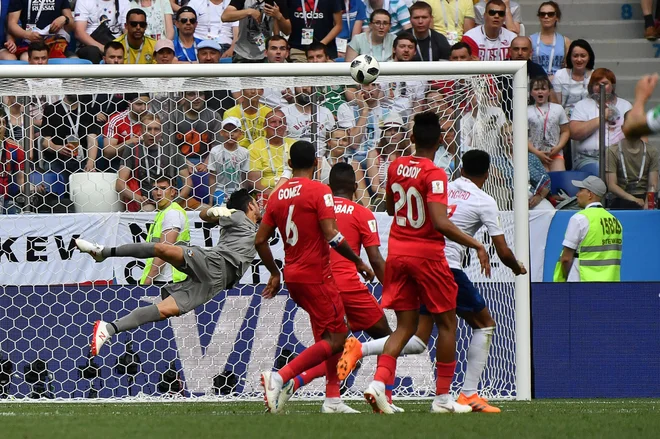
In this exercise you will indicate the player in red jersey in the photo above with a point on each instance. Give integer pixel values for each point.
(416, 269)
(303, 211)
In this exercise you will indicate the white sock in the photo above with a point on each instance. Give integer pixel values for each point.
(378, 385)
(333, 401)
(276, 378)
(477, 356)
(653, 119)
(375, 347)
(442, 399)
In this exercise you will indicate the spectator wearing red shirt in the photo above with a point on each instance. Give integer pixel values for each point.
(123, 128)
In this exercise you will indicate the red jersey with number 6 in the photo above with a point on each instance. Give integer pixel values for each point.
(413, 182)
(296, 209)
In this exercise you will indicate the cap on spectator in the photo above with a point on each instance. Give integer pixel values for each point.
(183, 9)
(209, 44)
(592, 184)
(164, 43)
(231, 120)
(392, 120)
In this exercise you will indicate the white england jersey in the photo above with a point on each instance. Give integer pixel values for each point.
(489, 50)
(469, 208)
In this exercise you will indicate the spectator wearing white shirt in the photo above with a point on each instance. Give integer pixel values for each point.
(405, 98)
(570, 84)
(548, 127)
(299, 119)
(277, 51)
(228, 162)
(96, 23)
(513, 15)
(211, 27)
(159, 17)
(431, 45)
(491, 41)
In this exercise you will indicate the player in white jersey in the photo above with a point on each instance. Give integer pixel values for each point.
(469, 209)
(637, 122)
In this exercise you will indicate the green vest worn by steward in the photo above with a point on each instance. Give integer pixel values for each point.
(156, 230)
(599, 253)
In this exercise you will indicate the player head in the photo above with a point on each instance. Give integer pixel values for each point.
(164, 192)
(243, 201)
(342, 180)
(426, 133)
(302, 159)
(476, 164)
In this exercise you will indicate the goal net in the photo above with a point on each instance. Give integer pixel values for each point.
(81, 156)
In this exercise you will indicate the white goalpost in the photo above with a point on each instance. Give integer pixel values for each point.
(51, 294)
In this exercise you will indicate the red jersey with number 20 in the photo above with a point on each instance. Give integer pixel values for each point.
(359, 227)
(296, 209)
(414, 182)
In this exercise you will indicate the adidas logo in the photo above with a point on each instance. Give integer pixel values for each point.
(308, 15)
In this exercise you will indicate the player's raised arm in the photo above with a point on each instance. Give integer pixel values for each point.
(637, 122)
(339, 244)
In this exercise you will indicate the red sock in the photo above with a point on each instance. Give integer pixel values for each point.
(386, 368)
(308, 376)
(332, 380)
(389, 385)
(445, 375)
(310, 357)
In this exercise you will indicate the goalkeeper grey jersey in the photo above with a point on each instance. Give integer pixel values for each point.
(236, 245)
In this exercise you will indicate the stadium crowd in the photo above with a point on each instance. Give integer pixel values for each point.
(216, 142)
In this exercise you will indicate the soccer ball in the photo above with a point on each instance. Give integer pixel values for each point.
(365, 69)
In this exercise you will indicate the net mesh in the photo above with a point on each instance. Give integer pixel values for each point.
(81, 157)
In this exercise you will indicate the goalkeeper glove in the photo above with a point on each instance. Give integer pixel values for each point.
(218, 211)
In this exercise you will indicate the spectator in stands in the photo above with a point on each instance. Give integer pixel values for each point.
(178, 4)
(333, 95)
(353, 18)
(252, 114)
(269, 154)
(228, 162)
(584, 121)
(50, 24)
(570, 84)
(431, 44)
(631, 172)
(37, 53)
(209, 52)
(138, 48)
(376, 41)
(491, 42)
(650, 31)
(15, 118)
(521, 50)
(513, 15)
(461, 52)
(452, 18)
(185, 45)
(446, 157)
(548, 126)
(96, 23)
(311, 21)
(392, 145)
(164, 51)
(69, 136)
(113, 53)
(404, 97)
(159, 17)
(257, 21)
(144, 162)
(277, 51)
(7, 42)
(123, 129)
(211, 27)
(398, 10)
(299, 119)
(550, 48)
(12, 167)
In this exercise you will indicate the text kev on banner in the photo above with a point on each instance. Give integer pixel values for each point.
(39, 249)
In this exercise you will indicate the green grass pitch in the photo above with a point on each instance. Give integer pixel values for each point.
(633, 418)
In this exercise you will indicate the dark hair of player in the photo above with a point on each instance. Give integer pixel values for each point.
(240, 200)
(303, 155)
(426, 130)
(475, 163)
(342, 179)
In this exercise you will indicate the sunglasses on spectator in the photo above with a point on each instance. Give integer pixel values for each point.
(551, 14)
(187, 20)
(493, 13)
(142, 24)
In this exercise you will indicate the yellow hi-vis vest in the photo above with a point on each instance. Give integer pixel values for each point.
(155, 231)
(599, 253)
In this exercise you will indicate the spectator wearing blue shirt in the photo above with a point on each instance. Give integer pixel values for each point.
(7, 44)
(353, 17)
(185, 43)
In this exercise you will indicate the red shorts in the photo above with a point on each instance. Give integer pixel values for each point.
(323, 304)
(362, 309)
(409, 280)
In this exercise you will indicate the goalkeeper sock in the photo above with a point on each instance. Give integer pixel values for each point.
(142, 250)
(375, 347)
(310, 357)
(444, 376)
(135, 318)
(332, 380)
(653, 119)
(477, 355)
(308, 376)
(389, 385)
(386, 368)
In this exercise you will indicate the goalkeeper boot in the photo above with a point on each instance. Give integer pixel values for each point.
(336, 405)
(376, 397)
(99, 336)
(272, 389)
(446, 404)
(477, 403)
(349, 358)
(93, 249)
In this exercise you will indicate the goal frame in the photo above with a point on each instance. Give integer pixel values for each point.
(518, 69)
